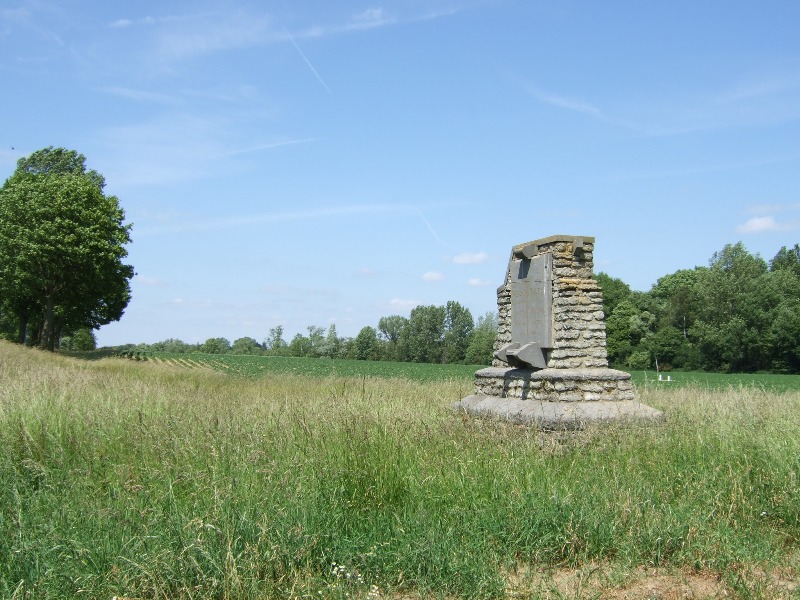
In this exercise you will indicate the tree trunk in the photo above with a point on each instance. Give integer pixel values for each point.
(46, 340)
(23, 329)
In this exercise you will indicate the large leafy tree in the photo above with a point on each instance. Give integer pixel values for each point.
(735, 311)
(245, 345)
(62, 246)
(366, 344)
(481, 341)
(391, 329)
(458, 326)
(275, 342)
(422, 338)
(787, 259)
(614, 291)
(218, 345)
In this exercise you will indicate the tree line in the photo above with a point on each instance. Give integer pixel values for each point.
(739, 314)
(434, 334)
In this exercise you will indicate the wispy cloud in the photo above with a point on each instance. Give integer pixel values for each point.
(369, 19)
(214, 33)
(140, 95)
(759, 87)
(374, 18)
(365, 273)
(701, 169)
(758, 225)
(297, 291)
(269, 146)
(178, 146)
(759, 99)
(566, 103)
(175, 38)
(276, 217)
(168, 149)
(470, 258)
(149, 21)
(184, 304)
(398, 304)
(769, 223)
(142, 279)
(39, 20)
(772, 208)
(433, 276)
(476, 282)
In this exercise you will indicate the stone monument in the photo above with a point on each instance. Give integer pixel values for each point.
(550, 365)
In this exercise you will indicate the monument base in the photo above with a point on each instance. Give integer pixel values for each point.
(555, 385)
(556, 398)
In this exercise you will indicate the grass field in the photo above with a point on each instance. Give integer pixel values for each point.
(151, 480)
(257, 366)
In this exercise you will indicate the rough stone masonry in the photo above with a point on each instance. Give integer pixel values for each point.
(550, 364)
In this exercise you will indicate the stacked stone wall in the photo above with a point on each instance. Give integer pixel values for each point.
(579, 332)
(565, 385)
(568, 383)
(503, 336)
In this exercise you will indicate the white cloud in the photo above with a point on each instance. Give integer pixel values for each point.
(121, 24)
(432, 276)
(124, 23)
(139, 95)
(471, 258)
(167, 149)
(372, 17)
(269, 146)
(192, 304)
(758, 225)
(477, 282)
(767, 224)
(213, 33)
(365, 272)
(565, 102)
(404, 305)
(146, 280)
(759, 99)
(277, 217)
(761, 209)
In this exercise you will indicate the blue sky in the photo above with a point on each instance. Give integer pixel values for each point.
(310, 162)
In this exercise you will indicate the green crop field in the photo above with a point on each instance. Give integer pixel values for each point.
(168, 478)
(258, 366)
(718, 381)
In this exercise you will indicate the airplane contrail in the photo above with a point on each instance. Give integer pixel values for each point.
(308, 62)
(432, 230)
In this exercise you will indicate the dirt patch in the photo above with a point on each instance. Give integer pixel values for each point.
(672, 587)
(608, 583)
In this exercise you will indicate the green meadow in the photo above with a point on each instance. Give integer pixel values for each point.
(150, 479)
(257, 366)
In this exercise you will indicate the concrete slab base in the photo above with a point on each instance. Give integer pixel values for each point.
(558, 415)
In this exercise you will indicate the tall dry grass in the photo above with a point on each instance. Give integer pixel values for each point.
(150, 481)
